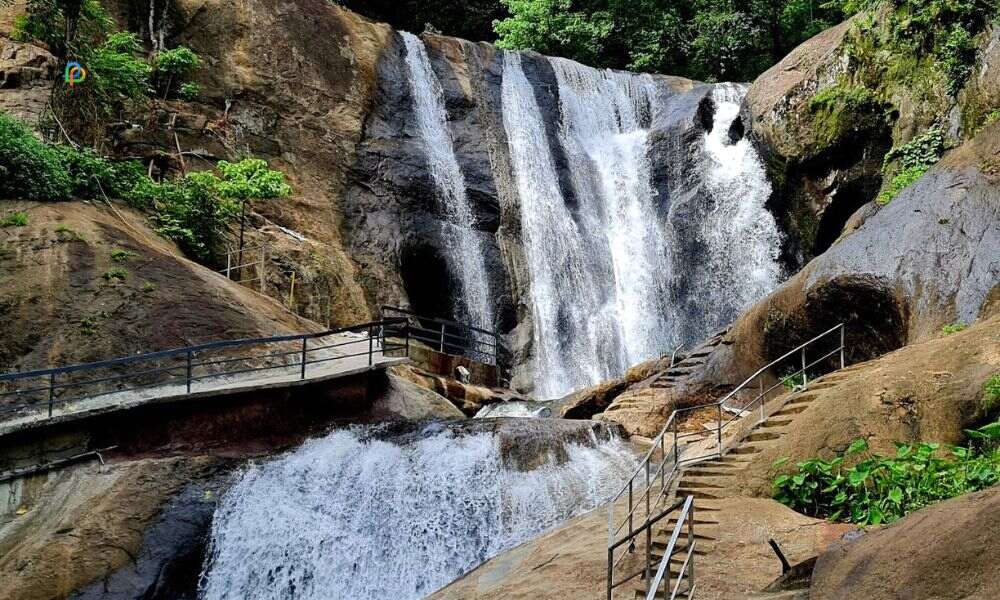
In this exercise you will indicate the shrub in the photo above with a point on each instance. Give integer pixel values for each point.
(883, 489)
(115, 274)
(914, 159)
(953, 328)
(120, 255)
(18, 219)
(29, 169)
(189, 91)
(174, 65)
(991, 393)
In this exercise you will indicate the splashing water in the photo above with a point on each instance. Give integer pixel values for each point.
(741, 235)
(350, 516)
(464, 249)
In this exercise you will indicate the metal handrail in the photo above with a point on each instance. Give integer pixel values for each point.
(687, 568)
(653, 477)
(452, 337)
(299, 356)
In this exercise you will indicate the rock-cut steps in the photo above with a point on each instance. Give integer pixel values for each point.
(688, 364)
(708, 481)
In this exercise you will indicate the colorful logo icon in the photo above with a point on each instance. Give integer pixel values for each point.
(75, 73)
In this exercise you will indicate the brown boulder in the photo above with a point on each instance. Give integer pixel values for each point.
(946, 551)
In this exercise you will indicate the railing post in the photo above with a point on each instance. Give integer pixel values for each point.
(631, 512)
(805, 378)
(676, 456)
(718, 431)
(52, 392)
(842, 346)
(229, 263)
(371, 340)
(442, 339)
(760, 397)
(649, 530)
(188, 376)
(690, 573)
(304, 340)
(611, 571)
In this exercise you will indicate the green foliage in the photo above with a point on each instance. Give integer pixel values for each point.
(914, 159)
(116, 75)
(120, 255)
(552, 27)
(901, 181)
(792, 381)
(189, 91)
(703, 39)
(953, 328)
(880, 489)
(174, 66)
(250, 179)
(67, 27)
(18, 219)
(148, 287)
(842, 110)
(925, 150)
(115, 274)
(991, 393)
(29, 169)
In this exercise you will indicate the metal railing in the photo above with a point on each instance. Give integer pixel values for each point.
(686, 571)
(450, 337)
(249, 256)
(651, 482)
(207, 366)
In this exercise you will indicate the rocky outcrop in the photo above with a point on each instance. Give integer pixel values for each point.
(405, 399)
(468, 399)
(60, 533)
(26, 74)
(58, 308)
(827, 114)
(949, 549)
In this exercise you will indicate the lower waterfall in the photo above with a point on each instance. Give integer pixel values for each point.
(365, 516)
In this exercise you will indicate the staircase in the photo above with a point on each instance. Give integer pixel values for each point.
(688, 364)
(702, 468)
(709, 481)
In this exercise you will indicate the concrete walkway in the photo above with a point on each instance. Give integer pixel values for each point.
(336, 364)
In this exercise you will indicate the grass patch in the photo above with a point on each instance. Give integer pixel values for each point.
(953, 328)
(115, 274)
(18, 219)
(120, 255)
(148, 287)
(842, 110)
(67, 233)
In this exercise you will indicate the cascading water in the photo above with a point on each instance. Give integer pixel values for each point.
(464, 250)
(354, 516)
(607, 267)
(742, 241)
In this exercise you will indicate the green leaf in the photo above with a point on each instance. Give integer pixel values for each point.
(858, 445)
(896, 495)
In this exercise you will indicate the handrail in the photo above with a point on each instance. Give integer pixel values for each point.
(452, 337)
(687, 569)
(191, 371)
(651, 474)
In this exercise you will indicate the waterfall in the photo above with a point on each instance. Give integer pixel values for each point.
(463, 247)
(353, 515)
(741, 238)
(617, 275)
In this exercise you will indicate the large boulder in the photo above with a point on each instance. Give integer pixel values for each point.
(26, 73)
(945, 551)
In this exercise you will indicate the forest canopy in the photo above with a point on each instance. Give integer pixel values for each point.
(710, 40)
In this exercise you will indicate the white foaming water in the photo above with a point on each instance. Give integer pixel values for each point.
(605, 120)
(465, 250)
(741, 236)
(569, 338)
(349, 517)
(613, 282)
